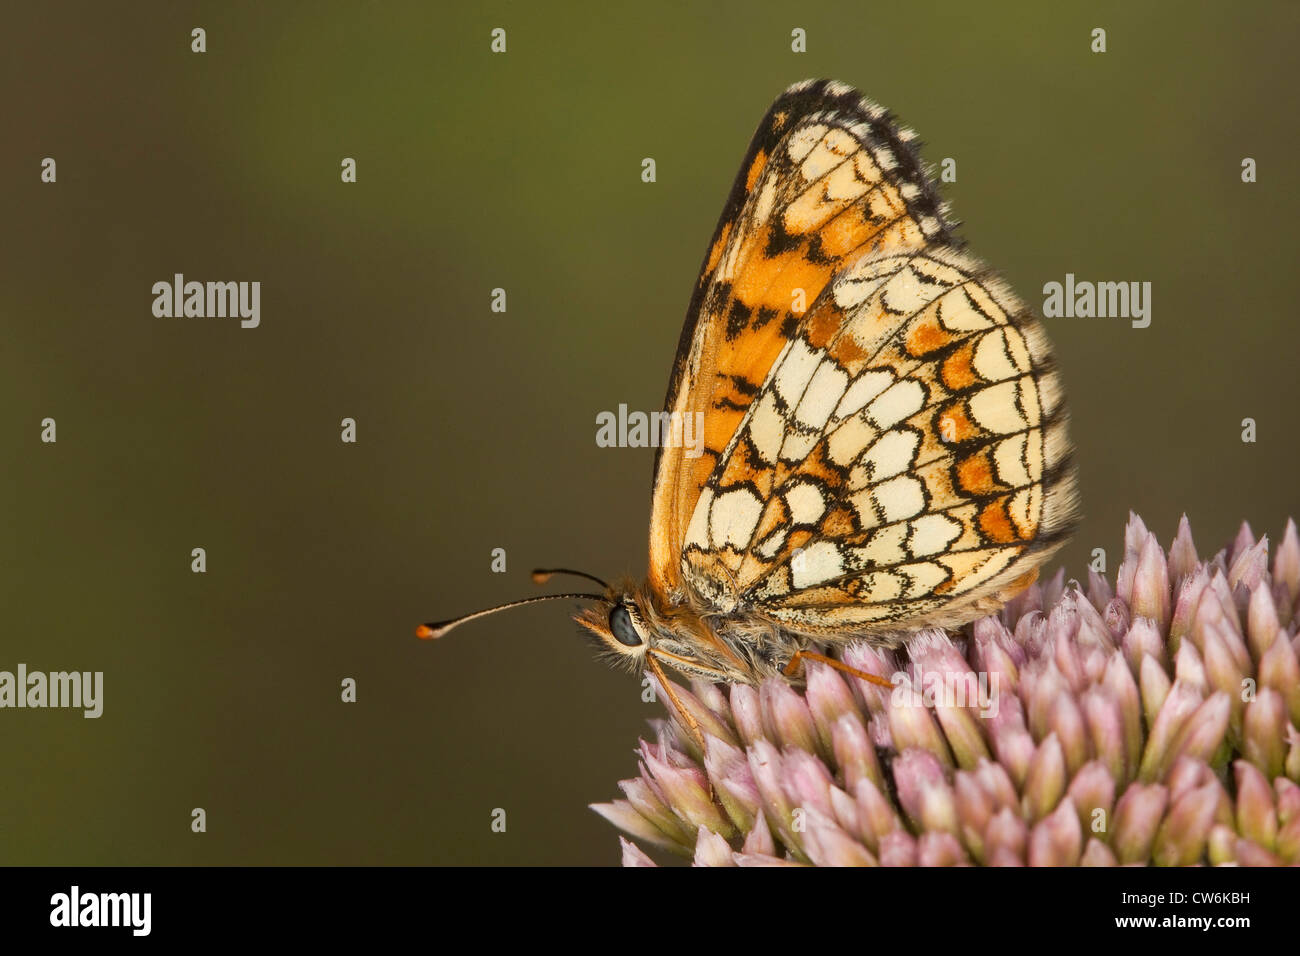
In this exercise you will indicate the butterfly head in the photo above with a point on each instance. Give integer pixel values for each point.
(621, 629)
(634, 630)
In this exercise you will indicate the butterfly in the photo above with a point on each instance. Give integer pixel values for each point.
(885, 442)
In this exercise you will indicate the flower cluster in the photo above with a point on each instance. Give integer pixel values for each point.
(1152, 723)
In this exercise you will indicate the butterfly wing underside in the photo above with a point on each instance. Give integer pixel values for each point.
(906, 459)
(894, 454)
(827, 179)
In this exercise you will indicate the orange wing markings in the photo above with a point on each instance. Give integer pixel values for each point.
(996, 523)
(755, 170)
(770, 280)
(975, 474)
(743, 467)
(956, 372)
(715, 252)
(926, 335)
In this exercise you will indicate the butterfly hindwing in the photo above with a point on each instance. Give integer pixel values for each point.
(905, 458)
(828, 179)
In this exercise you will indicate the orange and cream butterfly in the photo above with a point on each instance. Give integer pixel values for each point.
(884, 426)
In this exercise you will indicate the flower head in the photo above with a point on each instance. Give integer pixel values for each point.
(1152, 723)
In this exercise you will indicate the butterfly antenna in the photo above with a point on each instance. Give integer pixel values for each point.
(436, 629)
(542, 575)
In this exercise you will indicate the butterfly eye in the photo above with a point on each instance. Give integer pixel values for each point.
(620, 625)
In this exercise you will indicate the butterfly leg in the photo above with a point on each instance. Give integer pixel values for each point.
(692, 725)
(800, 656)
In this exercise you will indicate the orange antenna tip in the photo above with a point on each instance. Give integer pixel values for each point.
(425, 633)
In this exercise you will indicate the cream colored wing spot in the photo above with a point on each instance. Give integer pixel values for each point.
(891, 454)
(909, 291)
(994, 360)
(1025, 509)
(697, 533)
(840, 142)
(883, 586)
(733, 517)
(1011, 459)
(996, 408)
(815, 564)
(921, 578)
(866, 170)
(806, 502)
(901, 400)
(971, 569)
(798, 445)
(864, 388)
(846, 443)
(832, 617)
(771, 546)
(898, 498)
(826, 155)
(847, 183)
(762, 212)
(795, 370)
(932, 534)
(823, 394)
(886, 546)
(766, 428)
(958, 312)
(802, 141)
(850, 294)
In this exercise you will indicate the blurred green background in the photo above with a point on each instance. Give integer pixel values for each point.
(477, 430)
